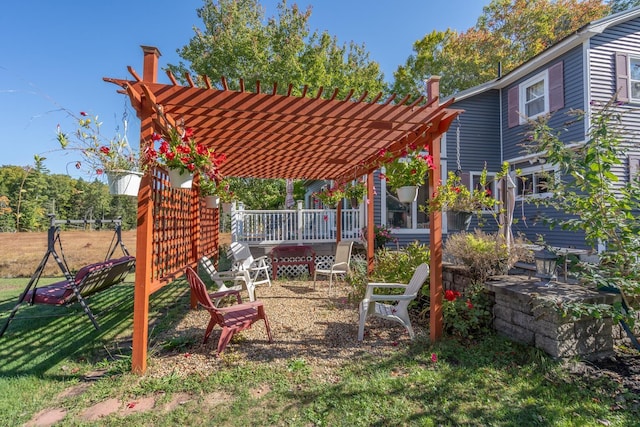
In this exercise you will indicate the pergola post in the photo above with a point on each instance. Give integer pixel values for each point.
(435, 228)
(370, 232)
(144, 232)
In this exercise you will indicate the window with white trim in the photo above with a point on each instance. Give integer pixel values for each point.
(634, 78)
(406, 216)
(534, 97)
(533, 182)
(490, 184)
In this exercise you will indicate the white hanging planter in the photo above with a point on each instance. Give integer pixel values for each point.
(180, 181)
(212, 202)
(124, 183)
(407, 194)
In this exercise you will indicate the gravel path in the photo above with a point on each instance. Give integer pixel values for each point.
(305, 323)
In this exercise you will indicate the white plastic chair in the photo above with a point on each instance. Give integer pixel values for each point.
(221, 278)
(244, 261)
(397, 312)
(341, 265)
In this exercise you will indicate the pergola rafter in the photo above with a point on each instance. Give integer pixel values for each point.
(269, 135)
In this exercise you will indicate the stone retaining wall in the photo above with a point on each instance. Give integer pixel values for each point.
(526, 312)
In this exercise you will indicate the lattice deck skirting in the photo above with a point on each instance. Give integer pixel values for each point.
(291, 271)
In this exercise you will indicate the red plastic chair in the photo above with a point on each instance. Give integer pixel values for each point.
(232, 319)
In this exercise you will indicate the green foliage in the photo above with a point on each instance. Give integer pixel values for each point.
(484, 254)
(597, 203)
(237, 42)
(258, 193)
(399, 266)
(467, 316)
(508, 33)
(357, 279)
(410, 169)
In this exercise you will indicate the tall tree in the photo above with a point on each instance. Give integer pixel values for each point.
(508, 33)
(237, 42)
(620, 5)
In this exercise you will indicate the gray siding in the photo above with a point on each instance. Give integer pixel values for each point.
(574, 98)
(623, 38)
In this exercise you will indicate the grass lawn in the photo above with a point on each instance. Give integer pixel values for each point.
(51, 362)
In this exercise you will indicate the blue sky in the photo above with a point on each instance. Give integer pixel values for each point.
(54, 54)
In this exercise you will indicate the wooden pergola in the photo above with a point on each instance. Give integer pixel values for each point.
(266, 135)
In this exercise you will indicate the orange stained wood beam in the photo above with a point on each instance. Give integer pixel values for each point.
(435, 228)
(370, 232)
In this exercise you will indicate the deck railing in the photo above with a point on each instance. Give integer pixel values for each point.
(264, 227)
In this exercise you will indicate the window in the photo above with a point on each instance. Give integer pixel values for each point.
(634, 78)
(406, 216)
(534, 97)
(490, 185)
(533, 182)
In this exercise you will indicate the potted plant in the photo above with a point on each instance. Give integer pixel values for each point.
(459, 202)
(208, 188)
(183, 157)
(331, 196)
(355, 191)
(101, 156)
(406, 173)
(382, 236)
(225, 193)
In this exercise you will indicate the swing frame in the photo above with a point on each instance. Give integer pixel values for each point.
(88, 280)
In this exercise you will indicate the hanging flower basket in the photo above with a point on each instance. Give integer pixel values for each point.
(458, 220)
(212, 202)
(226, 207)
(124, 183)
(178, 180)
(407, 194)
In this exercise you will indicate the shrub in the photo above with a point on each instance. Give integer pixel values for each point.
(399, 266)
(357, 278)
(484, 254)
(468, 315)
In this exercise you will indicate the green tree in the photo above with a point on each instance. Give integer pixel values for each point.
(237, 42)
(621, 5)
(593, 197)
(509, 32)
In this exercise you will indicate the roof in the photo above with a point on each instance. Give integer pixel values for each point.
(571, 41)
(268, 135)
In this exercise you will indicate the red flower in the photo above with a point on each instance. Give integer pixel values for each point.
(156, 137)
(383, 176)
(99, 171)
(413, 171)
(191, 167)
(164, 147)
(488, 192)
(105, 150)
(469, 304)
(457, 189)
(188, 134)
(170, 155)
(434, 357)
(450, 295)
(83, 114)
(201, 149)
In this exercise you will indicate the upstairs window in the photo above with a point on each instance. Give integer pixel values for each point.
(634, 78)
(533, 182)
(540, 94)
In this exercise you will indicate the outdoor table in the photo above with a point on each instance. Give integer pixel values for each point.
(292, 255)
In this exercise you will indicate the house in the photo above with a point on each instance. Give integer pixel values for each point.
(593, 64)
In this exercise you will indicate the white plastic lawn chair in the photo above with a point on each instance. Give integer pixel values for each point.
(222, 278)
(397, 312)
(341, 265)
(244, 261)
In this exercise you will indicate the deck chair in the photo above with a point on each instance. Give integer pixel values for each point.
(232, 319)
(398, 311)
(235, 279)
(340, 266)
(244, 261)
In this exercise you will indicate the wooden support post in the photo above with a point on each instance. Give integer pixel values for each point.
(339, 222)
(435, 228)
(371, 241)
(144, 232)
